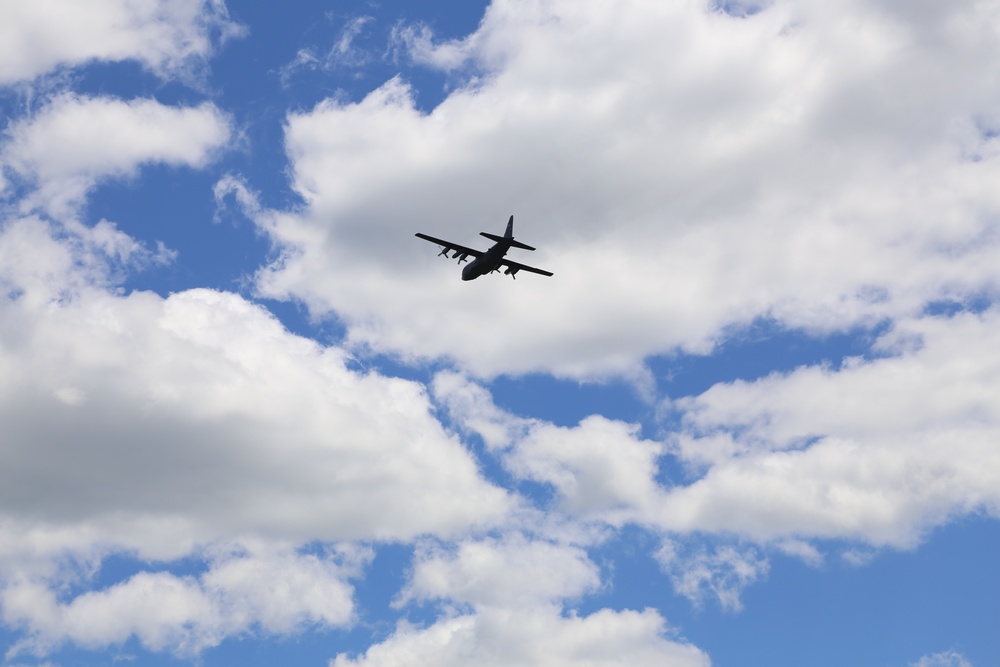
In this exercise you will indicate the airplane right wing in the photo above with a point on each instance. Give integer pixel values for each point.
(460, 250)
(514, 267)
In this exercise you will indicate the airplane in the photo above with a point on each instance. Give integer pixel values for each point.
(490, 260)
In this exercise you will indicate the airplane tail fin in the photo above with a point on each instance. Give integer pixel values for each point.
(508, 236)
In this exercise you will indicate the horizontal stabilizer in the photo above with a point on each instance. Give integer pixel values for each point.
(499, 239)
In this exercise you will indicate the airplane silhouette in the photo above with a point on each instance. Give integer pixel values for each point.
(490, 260)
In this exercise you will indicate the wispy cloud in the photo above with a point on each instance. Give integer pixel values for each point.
(344, 54)
(720, 572)
(944, 659)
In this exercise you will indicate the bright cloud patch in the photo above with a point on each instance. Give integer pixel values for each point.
(277, 595)
(601, 470)
(509, 574)
(680, 170)
(687, 169)
(38, 37)
(153, 426)
(537, 637)
(901, 443)
(73, 142)
(232, 425)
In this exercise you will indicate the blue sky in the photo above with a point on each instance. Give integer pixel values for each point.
(247, 418)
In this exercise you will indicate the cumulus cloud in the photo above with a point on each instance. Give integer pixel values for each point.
(785, 161)
(880, 450)
(161, 426)
(601, 473)
(526, 638)
(73, 142)
(516, 588)
(472, 409)
(232, 425)
(877, 451)
(681, 170)
(156, 426)
(36, 267)
(511, 573)
(166, 37)
(274, 594)
(600, 470)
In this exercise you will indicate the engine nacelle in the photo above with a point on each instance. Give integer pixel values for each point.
(511, 271)
(462, 256)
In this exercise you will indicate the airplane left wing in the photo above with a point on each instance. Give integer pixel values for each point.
(514, 267)
(461, 251)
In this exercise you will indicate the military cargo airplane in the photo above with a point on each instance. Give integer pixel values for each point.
(490, 260)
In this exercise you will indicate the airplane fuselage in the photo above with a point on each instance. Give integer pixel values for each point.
(487, 262)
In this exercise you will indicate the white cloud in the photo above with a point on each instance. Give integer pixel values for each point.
(304, 58)
(600, 469)
(526, 638)
(417, 41)
(164, 427)
(161, 427)
(201, 407)
(941, 373)
(237, 187)
(274, 594)
(154, 607)
(945, 659)
(879, 450)
(166, 37)
(471, 408)
(722, 573)
(516, 587)
(344, 52)
(679, 169)
(37, 268)
(808, 553)
(282, 593)
(511, 573)
(73, 142)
